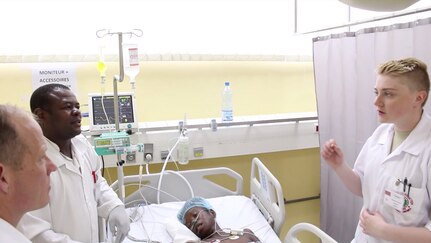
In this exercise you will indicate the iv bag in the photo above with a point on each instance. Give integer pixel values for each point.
(131, 61)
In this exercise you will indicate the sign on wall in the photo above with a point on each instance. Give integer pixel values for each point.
(47, 73)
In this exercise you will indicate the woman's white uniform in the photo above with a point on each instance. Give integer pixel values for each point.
(78, 195)
(383, 175)
(8, 233)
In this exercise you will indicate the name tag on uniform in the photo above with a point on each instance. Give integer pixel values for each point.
(394, 199)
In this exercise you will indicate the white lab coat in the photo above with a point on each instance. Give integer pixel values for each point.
(76, 200)
(8, 233)
(379, 170)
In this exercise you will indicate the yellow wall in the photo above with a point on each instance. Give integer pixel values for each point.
(168, 90)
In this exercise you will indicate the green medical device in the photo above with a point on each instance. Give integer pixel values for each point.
(112, 143)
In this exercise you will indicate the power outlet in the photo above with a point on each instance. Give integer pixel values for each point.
(198, 152)
(148, 152)
(131, 157)
(164, 154)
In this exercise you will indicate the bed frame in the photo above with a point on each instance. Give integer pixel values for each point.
(265, 190)
(267, 194)
(175, 188)
(291, 236)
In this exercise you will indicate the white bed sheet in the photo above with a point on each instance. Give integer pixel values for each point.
(235, 212)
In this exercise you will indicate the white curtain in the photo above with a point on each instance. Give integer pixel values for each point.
(344, 69)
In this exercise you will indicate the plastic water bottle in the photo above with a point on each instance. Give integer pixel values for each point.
(183, 150)
(131, 61)
(226, 106)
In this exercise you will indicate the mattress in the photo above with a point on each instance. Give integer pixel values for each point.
(158, 223)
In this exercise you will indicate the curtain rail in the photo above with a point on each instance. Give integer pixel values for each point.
(394, 15)
(156, 58)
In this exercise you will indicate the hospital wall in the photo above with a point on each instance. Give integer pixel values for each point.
(169, 90)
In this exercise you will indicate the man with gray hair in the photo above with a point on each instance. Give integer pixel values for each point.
(24, 170)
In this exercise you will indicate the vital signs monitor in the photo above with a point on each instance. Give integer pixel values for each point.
(101, 112)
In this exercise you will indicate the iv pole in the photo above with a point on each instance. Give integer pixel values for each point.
(102, 33)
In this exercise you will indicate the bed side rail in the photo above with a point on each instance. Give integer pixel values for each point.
(267, 194)
(176, 185)
(291, 236)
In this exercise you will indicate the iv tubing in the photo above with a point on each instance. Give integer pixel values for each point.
(163, 171)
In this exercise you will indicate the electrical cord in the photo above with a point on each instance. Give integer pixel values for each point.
(227, 233)
(163, 171)
(103, 166)
(102, 92)
(151, 187)
(137, 216)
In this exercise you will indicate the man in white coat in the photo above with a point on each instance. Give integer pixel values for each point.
(24, 170)
(79, 194)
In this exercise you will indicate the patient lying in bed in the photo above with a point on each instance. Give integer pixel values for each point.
(199, 216)
(159, 222)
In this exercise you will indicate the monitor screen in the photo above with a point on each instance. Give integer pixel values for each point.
(102, 116)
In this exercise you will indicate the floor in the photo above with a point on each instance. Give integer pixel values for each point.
(306, 211)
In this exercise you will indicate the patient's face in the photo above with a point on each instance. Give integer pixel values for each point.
(200, 221)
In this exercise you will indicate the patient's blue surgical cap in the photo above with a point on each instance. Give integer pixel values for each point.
(191, 203)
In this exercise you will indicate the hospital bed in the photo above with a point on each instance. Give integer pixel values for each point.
(153, 207)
